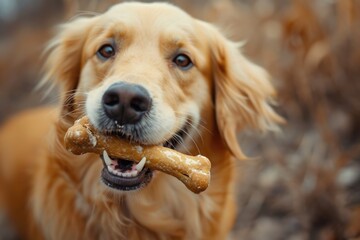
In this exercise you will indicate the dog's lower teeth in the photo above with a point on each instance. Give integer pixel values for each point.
(132, 173)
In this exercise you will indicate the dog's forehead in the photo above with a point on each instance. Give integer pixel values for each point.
(145, 15)
(147, 9)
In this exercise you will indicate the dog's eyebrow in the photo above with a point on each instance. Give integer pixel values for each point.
(177, 42)
(178, 39)
(115, 28)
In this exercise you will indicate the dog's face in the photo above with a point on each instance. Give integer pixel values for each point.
(142, 76)
(153, 74)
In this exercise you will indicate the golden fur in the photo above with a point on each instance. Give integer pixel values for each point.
(51, 194)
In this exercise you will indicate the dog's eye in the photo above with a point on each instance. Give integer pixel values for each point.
(106, 51)
(183, 61)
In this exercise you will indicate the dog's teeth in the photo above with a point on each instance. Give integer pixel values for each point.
(133, 173)
(112, 170)
(106, 157)
(141, 164)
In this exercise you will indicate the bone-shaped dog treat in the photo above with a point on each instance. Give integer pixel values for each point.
(193, 171)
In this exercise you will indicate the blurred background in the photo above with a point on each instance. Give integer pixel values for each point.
(303, 183)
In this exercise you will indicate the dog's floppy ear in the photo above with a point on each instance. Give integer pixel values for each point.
(243, 92)
(64, 58)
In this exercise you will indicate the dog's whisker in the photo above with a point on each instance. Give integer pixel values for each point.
(193, 140)
(195, 129)
(86, 14)
(76, 111)
(65, 97)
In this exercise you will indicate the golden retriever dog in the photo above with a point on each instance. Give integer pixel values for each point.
(157, 76)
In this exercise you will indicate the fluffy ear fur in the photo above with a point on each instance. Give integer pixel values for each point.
(243, 92)
(64, 59)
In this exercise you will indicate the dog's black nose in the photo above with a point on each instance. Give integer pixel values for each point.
(126, 103)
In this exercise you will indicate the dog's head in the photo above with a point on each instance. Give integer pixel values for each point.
(155, 75)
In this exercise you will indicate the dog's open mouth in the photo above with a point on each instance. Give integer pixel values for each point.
(126, 175)
(123, 174)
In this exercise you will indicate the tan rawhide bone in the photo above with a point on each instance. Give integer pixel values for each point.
(193, 171)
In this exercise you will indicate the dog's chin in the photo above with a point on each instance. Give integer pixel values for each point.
(127, 175)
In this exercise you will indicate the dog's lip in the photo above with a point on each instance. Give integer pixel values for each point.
(126, 184)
